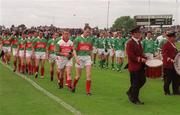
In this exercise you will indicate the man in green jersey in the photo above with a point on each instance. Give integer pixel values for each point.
(51, 53)
(28, 48)
(119, 46)
(111, 50)
(83, 46)
(149, 45)
(39, 49)
(21, 51)
(6, 47)
(100, 44)
(14, 45)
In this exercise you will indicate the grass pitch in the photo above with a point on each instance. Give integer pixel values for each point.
(18, 97)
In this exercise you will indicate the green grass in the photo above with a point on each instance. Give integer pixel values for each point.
(18, 97)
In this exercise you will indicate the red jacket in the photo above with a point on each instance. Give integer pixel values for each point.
(135, 54)
(168, 52)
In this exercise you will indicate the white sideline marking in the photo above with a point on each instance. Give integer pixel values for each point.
(50, 95)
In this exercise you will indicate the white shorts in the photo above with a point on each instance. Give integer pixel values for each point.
(6, 49)
(15, 52)
(63, 62)
(40, 55)
(100, 51)
(52, 58)
(84, 61)
(21, 53)
(120, 53)
(149, 55)
(28, 53)
(94, 50)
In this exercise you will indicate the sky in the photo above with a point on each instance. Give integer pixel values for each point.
(75, 13)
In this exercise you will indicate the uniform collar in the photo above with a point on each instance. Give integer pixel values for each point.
(148, 39)
(136, 40)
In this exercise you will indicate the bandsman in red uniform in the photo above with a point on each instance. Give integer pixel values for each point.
(136, 60)
(169, 52)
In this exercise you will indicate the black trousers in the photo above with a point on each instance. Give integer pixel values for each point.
(137, 80)
(170, 76)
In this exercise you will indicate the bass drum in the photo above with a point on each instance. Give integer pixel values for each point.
(177, 63)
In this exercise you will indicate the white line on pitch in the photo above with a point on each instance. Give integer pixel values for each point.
(50, 95)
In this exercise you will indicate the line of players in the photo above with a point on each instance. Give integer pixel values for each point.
(30, 51)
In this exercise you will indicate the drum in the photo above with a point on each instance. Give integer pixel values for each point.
(177, 63)
(154, 68)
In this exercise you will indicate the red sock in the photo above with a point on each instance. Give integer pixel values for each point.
(42, 71)
(22, 68)
(52, 73)
(15, 65)
(3, 59)
(29, 68)
(66, 78)
(88, 86)
(69, 83)
(37, 68)
(62, 81)
(34, 68)
(75, 82)
(19, 67)
(58, 75)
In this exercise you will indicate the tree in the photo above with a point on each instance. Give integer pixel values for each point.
(124, 23)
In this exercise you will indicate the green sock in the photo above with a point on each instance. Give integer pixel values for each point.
(112, 65)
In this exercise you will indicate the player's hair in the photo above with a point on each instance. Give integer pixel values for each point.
(65, 30)
(87, 27)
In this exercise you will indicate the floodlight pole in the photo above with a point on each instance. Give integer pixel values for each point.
(149, 15)
(107, 23)
(176, 14)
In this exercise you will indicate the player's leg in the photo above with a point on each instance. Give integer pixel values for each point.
(69, 79)
(37, 59)
(42, 68)
(52, 70)
(88, 79)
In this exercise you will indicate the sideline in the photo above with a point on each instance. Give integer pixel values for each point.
(50, 95)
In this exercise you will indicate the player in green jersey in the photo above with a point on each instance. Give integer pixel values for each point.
(21, 51)
(28, 48)
(119, 46)
(39, 49)
(14, 45)
(51, 44)
(83, 46)
(6, 47)
(95, 38)
(149, 45)
(100, 44)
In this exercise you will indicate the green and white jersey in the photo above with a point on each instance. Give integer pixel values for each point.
(149, 45)
(29, 44)
(83, 46)
(160, 41)
(119, 44)
(14, 41)
(39, 44)
(101, 43)
(58, 39)
(51, 45)
(21, 44)
(6, 41)
(107, 43)
(112, 42)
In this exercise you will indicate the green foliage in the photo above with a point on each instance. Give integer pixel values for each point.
(124, 23)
